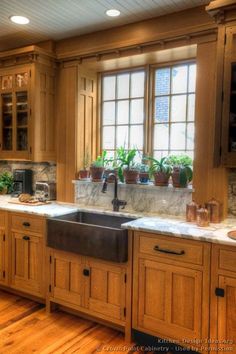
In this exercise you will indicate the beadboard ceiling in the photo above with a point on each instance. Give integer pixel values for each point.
(58, 19)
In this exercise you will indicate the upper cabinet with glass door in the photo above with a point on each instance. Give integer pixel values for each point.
(229, 103)
(15, 114)
(27, 102)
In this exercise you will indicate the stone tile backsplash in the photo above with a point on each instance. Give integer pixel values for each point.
(140, 198)
(41, 171)
(232, 192)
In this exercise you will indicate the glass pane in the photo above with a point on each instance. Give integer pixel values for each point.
(123, 86)
(137, 84)
(191, 107)
(21, 101)
(122, 136)
(137, 111)
(136, 137)
(179, 79)
(108, 113)
(161, 136)
(177, 136)
(22, 139)
(7, 139)
(162, 81)
(109, 88)
(178, 108)
(123, 112)
(108, 138)
(22, 79)
(7, 82)
(162, 109)
(190, 136)
(159, 154)
(7, 122)
(192, 78)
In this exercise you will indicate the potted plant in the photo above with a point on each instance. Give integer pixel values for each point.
(182, 172)
(97, 167)
(84, 173)
(160, 170)
(6, 183)
(111, 166)
(144, 173)
(128, 169)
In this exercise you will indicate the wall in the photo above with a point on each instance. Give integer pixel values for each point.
(140, 198)
(41, 171)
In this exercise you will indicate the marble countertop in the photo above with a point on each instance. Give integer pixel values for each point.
(215, 233)
(165, 225)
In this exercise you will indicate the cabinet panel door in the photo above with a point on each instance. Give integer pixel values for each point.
(227, 314)
(2, 256)
(105, 290)
(169, 299)
(27, 261)
(67, 278)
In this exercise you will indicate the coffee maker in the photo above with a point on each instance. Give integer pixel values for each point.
(22, 182)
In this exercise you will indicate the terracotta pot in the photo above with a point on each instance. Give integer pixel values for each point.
(83, 174)
(161, 178)
(176, 178)
(144, 177)
(131, 176)
(110, 179)
(96, 173)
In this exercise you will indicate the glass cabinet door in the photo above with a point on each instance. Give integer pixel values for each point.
(7, 121)
(22, 121)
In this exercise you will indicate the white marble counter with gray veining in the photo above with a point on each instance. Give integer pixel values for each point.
(215, 233)
(49, 210)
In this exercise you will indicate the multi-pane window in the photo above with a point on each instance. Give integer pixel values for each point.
(124, 115)
(174, 106)
(123, 110)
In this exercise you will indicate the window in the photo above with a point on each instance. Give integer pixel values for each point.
(123, 117)
(174, 106)
(123, 110)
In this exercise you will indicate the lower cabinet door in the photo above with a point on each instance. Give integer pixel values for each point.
(27, 262)
(105, 290)
(67, 277)
(169, 300)
(227, 315)
(2, 257)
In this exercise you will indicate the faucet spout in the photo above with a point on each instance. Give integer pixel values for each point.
(115, 202)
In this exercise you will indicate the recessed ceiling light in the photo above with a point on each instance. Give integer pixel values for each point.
(20, 20)
(113, 13)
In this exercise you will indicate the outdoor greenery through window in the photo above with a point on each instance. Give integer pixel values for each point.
(172, 98)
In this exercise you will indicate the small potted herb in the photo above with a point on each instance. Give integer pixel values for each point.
(160, 170)
(6, 183)
(128, 169)
(182, 171)
(84, 173)
(111, 166)
(97, 167)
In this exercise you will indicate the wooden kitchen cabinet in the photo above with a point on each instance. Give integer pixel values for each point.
(171, 287)
(223, 299)
(27, 100)
(3, 249)
(26, 256)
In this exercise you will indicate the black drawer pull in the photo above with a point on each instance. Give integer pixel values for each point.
(26, 238)
(26, 224)
(163, 250)
(86, 272)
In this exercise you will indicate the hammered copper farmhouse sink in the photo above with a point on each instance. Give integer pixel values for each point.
(90, 234)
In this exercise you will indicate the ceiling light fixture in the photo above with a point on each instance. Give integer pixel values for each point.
(113, 13)
(20, 20)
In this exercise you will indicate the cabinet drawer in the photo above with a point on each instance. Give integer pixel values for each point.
(227, 259)
(2, 218)
(25, 222)
(171, 248)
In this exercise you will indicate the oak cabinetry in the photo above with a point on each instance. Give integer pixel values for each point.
(27, 254)
(27, 95)
(3, 248)
(171, 287)
(223, 299)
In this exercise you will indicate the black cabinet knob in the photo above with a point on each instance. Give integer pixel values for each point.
(26, 224)
(26, 238)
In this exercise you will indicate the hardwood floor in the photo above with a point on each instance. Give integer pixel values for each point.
(26, 328)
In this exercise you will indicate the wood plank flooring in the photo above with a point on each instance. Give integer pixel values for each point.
(26, 328)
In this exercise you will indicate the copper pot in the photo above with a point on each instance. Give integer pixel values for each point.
(191, 211)
(214, 208)
(202, 217)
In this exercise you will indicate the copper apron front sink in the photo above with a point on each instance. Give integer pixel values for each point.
(90, 234)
